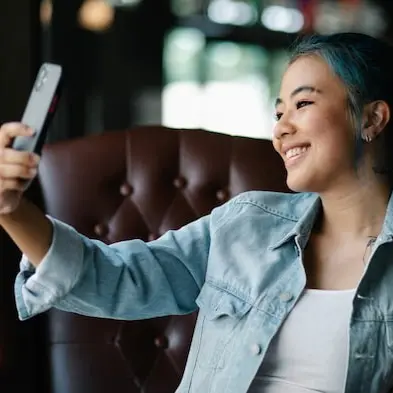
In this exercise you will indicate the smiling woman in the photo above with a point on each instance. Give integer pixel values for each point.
(363, 69)
(313, 112)
(294, 290)
(346, 79)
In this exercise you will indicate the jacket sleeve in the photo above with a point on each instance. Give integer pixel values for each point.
(127, 280)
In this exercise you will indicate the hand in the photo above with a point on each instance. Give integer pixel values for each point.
(17, 168)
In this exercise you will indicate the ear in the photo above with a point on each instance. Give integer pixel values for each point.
(376, 116)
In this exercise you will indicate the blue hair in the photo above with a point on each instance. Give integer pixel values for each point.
(363, 65)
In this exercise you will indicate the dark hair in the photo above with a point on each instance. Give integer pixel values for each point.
(363, 64)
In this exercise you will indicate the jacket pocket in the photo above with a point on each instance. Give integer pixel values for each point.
(223, 316)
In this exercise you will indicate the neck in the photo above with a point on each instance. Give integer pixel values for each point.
(354, 213)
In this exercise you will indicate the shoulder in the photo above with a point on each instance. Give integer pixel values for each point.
(288, 206)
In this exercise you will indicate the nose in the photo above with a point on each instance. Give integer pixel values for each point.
(283, 127)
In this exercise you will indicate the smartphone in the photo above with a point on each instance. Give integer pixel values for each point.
(40, 108)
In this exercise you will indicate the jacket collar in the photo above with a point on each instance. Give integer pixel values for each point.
(387, 227)
(310, 206)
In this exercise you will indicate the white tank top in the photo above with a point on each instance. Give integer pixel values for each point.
(310, 352)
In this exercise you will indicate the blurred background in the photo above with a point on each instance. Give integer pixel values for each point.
(211, 64)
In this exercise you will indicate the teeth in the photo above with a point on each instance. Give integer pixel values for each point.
(295, 151)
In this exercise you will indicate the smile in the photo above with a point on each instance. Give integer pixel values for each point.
(293, 155)
(295, 151)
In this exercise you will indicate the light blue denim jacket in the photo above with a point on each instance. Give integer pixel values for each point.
(241, 266)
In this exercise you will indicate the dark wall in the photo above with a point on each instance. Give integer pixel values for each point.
(20, 49)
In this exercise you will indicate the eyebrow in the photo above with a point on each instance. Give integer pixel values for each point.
(309, 89)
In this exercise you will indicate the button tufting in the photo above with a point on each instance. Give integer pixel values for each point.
(222, 195)
(126, 190)
(152, 236)
(161, 342)
(101, 230)
(180, 182)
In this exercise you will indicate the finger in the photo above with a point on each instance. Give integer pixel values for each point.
(11, 156)
(12, 185)
(15, 171)
(9, 131)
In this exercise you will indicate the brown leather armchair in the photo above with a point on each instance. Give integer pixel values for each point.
(138, 184)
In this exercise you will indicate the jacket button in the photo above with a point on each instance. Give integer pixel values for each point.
(256, 349)
(286, 297)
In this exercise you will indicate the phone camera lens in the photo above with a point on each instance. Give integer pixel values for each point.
(42, 77)
(38, 85)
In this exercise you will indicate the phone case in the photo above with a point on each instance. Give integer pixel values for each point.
(40, 107)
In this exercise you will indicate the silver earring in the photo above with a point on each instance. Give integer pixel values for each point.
(367, 138)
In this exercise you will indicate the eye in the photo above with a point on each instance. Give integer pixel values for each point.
(301, 104)
(277, 116)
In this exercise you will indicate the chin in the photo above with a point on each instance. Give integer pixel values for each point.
(300, 183)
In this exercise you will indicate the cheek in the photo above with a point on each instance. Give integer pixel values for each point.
(333, 150)
(320, 119)
(315, 118)
(332, 133)
(275, 143)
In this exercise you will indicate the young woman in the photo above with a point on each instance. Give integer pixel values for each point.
(295, 291)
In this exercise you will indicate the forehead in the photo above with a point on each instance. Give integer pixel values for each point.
(310, 71)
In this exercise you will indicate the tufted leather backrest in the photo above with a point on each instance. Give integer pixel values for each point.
(138, 184)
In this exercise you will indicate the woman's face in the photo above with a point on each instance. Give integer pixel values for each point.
(314, 134)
